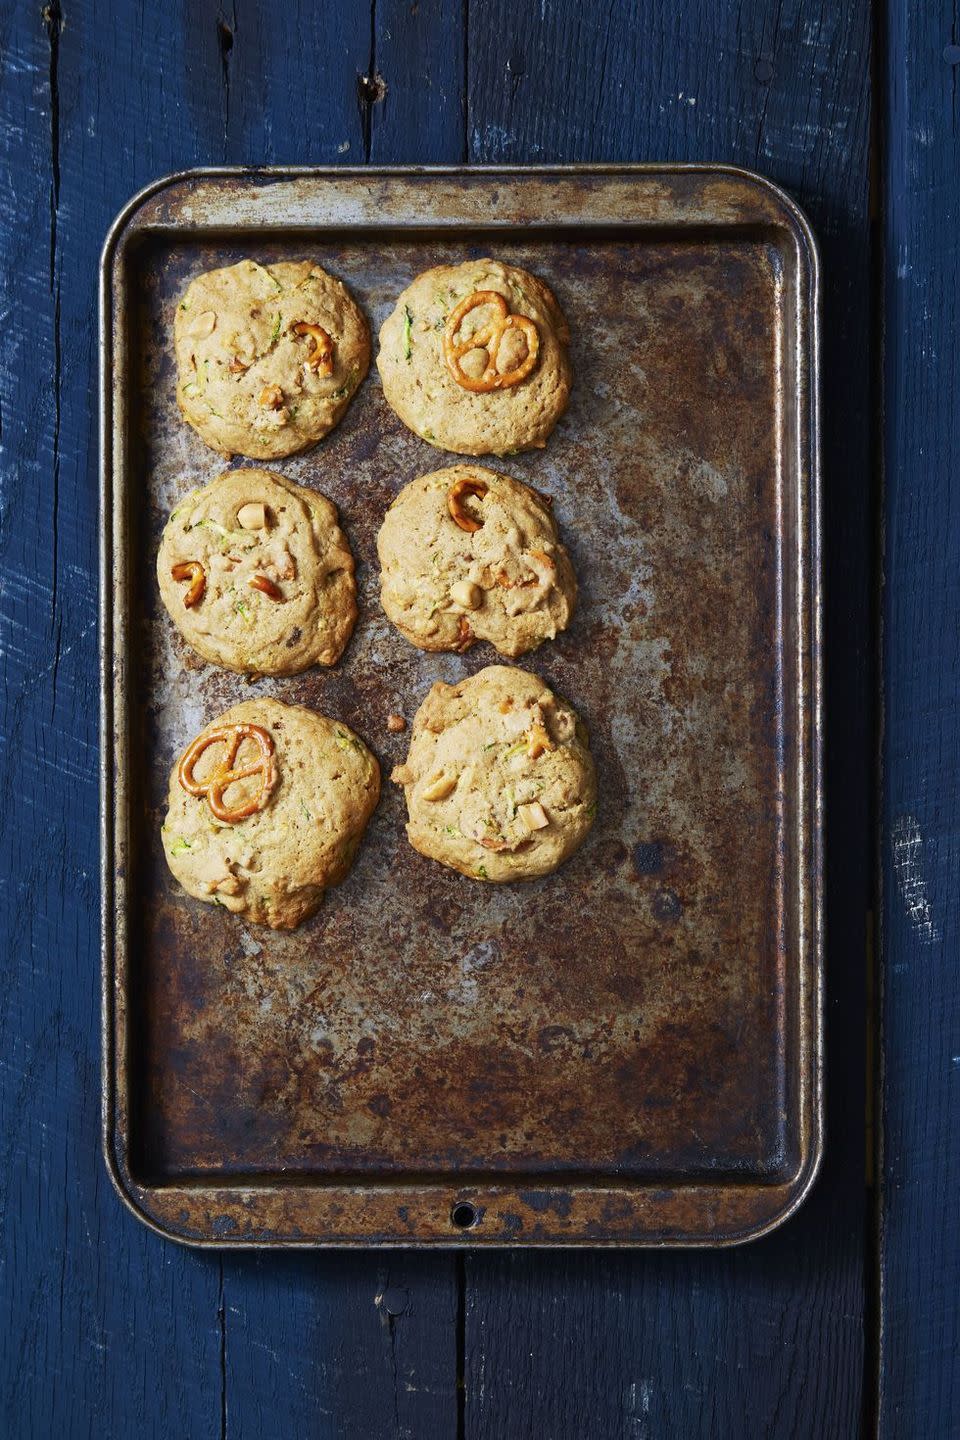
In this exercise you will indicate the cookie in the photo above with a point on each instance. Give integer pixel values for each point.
(499, 780)
(474, 358)
(468, 554)
(257, 575)
(267, 843)
(268, 356)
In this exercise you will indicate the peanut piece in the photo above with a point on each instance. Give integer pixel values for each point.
(440, 787)
(465, 593)
(203, 325)
(236, 903)
(533, 816)
(271, 397)
(396, 723)
(513, 350)
(252, 516)
(474, 363)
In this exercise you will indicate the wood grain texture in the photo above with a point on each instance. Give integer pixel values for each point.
(768, 1340)
(418, 65)
(920, 1252)
(79, 1277)
(109, 1331)
(351, 1346)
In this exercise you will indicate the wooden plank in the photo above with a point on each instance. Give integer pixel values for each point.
(107, 1328)
(920, 1252)
(93, 1308)
(767, 1340)
(417, 69)
(350, 1346)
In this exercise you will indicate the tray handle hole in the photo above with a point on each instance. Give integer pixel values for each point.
(464, 1215)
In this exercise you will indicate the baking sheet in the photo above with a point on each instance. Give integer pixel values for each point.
(629, 1050)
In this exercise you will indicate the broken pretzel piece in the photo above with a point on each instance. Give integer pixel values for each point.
(193, 571)
(465, 636)
(266, 586)
(271, 397)
(455, 497)
(538, 741)
(544, 572)
(320, 358)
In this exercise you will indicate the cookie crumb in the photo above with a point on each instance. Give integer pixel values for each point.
(396, 723)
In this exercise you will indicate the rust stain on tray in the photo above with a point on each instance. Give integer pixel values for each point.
(632, 1020)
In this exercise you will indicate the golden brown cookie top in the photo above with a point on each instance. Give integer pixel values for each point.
(499, 780)
(470, 554)
(268, 356)
(474, 358)
(267, 806)
(257, 575)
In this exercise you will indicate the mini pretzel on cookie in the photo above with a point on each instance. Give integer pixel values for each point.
(224, 774)
(488, 337)
(193, 571)
(320, 357)
(460, 516)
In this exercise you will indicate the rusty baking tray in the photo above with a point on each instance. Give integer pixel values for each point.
(629, 1051)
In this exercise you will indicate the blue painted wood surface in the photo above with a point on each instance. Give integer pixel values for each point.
(920, 1243)
(106, 1330)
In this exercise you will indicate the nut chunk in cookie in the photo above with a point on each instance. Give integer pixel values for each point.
(474, 358)
(468, 554)
(257, 575)
(499, 780)
(267, 808)
(268, 356)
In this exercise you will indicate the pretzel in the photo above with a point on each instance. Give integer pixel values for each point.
(224, 774)
(538, 741)
(467, 486)
(488, 338)
(193, 571)
(465, 636)
(321, 356)
(265, 586)
(271, 397)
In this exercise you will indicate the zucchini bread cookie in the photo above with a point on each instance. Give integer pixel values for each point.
(474, 358)
(499, 780)
(468, 554)
(257, 575)
(268, 356)
(267, 808)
